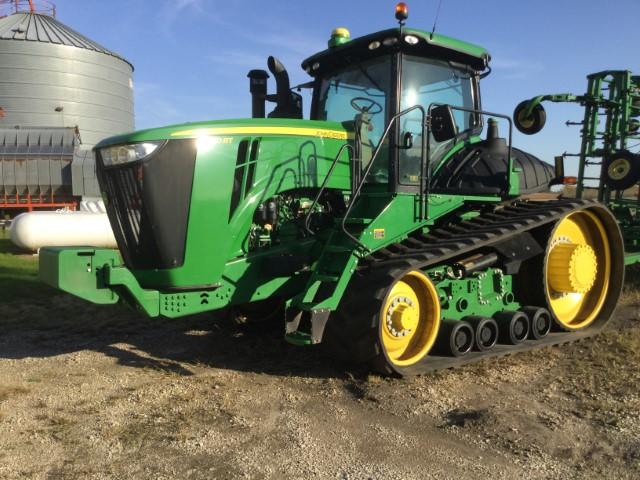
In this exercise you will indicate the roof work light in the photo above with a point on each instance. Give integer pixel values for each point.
(402, 12)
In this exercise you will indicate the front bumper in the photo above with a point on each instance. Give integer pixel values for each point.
(98, 276)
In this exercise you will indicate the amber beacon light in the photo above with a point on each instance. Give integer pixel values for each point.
(402, 12)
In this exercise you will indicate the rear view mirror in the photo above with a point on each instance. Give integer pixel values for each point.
(443, 125)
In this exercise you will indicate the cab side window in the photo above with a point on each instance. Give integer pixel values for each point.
(425, 82)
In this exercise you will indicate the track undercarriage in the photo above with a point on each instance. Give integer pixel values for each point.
(556, 268)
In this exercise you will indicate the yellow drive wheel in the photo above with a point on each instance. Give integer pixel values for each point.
(409, 319)
(577, 269)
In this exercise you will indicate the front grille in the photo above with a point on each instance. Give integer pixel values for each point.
(148, 205)
(123, 186)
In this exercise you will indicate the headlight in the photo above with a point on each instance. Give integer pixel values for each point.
(133, 152)
(411, 39)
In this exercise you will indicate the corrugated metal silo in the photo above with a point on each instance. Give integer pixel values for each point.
(60, 94)
(52, 76)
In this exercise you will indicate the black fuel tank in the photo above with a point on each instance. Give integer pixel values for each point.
(481, 169)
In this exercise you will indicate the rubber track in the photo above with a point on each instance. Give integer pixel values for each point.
(467, 236)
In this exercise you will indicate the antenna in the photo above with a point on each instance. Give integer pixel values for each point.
(435, 22)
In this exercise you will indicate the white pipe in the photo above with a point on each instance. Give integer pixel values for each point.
(35, 230)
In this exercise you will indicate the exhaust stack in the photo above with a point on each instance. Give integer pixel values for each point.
(258, 90)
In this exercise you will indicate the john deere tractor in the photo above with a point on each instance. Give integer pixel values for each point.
(390, 227)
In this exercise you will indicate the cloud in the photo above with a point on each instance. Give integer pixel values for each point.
(297, 43)
(244, 50)
(156, 106)
(513, 69)
(237, 58)
(171, 11)
(175, 7)
(143, 88)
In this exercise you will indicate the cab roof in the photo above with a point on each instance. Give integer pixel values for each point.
(428, 45)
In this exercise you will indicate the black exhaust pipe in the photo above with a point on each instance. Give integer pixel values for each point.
(278, 71)
(258, 90)
(288, 104)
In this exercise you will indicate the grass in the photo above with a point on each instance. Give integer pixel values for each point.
(19, 273)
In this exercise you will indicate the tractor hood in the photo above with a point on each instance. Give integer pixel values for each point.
(226, 128)
(172, 193)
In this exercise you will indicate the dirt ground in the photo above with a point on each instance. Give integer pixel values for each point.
(100, 392)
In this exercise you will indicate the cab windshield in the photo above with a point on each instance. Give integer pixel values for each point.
(365, 86)
(361, 92)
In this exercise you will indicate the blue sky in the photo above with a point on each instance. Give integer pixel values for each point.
(192, 56)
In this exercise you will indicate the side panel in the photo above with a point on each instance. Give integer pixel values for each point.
(218, 229)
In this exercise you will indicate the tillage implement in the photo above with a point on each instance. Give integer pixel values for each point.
(608, 162)
(388, 226)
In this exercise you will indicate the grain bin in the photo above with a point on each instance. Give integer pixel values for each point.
(52, 76)
(55, 83)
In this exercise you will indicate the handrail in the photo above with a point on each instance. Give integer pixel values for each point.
(356, 193)
(307, 220)
(424, 167)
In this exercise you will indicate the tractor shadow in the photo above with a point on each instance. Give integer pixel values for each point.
(62, 324)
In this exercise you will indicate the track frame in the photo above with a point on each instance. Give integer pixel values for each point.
(422, 251)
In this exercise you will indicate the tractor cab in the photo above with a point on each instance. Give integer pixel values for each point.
(411, 99)
(369, 82)
(387, 80)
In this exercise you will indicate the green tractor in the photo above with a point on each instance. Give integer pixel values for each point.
(387, 225)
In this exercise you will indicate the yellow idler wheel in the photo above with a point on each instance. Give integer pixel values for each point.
(409, 319)
(577, 269)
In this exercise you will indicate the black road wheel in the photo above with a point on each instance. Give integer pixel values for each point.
(621, 170)
(456, 338)
(514, 327)
(539, 322)
(486, 332)
(531, 124)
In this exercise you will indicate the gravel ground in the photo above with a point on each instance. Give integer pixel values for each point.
(89, 392)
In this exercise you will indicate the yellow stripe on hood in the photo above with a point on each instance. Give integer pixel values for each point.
(300, 131)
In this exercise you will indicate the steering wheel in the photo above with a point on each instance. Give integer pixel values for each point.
(371, 106)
